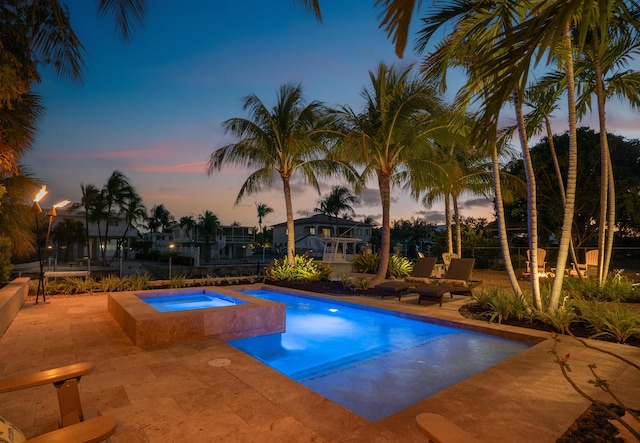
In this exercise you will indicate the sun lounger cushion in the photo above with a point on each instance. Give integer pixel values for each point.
(411, 279)
(452, 282)
(10, 433)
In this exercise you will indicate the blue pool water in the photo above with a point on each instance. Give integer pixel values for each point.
(371, 361)
(183, 301)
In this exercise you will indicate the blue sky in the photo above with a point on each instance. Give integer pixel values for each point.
(152, 108)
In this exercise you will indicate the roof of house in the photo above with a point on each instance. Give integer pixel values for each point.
(324, 219)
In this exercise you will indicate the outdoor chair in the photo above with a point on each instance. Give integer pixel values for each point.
(446, 259)
(421, 274)
(72, 426)
(440, 429)
(542, 264)
(590, 265)
(457, 280)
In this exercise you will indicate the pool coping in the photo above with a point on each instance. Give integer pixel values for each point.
(144, 325)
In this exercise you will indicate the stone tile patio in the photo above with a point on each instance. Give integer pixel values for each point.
(187, 392)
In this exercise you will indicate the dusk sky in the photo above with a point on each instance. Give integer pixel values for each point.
(152, 108)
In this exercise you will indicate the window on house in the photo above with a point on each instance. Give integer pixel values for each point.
(326, 232)
(113, 222)
(312, 231)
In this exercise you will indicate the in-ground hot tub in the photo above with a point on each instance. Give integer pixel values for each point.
(241, 316)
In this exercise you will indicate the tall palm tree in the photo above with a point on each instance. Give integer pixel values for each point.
(160, 219)
(116, 193)
(392, 137)
(90, 205)
(263, 210)
(188, 222)
(339, 200)
(208, 223)
(287, 140)
(68, 232)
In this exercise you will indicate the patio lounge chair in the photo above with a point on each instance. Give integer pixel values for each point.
(72, 424)
(457, 280)
(440, 429)
(590, 265)
(421, 274)
(446, 259)
(542, 264)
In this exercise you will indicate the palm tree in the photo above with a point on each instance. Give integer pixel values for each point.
(188, 222)
(68, 232)
(392, 137)
(338, 200)
(116, 193)
(17, 222)
(89, 202)
(208, 223)
(263, 210)
(286, 140)
(160, 219)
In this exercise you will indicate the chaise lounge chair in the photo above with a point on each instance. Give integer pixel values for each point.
(542, 264)
(72, 424)
(421, 274)
(457, 280)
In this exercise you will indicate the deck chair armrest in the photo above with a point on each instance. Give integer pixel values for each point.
(440, 429)
(89, 431)
(474, 284)
(55, 376)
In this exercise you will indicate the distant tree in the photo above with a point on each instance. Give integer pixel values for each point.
(208, 224)
(263, 210)
(160, 219)
(338, 200)
(287, 140)
(67, 233)
(189, 223)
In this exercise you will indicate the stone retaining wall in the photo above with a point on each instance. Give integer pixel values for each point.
(12, 297)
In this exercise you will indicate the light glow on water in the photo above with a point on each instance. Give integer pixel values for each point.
(372, 362)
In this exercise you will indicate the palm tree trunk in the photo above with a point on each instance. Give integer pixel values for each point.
(532, 209)
(502, 226)
(291, 235)
(447, 216)
(384, 183)
(607, 188)
(572, 175)
(563, 198)
(456, 216)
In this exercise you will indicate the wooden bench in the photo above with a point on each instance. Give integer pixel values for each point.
(61, 274)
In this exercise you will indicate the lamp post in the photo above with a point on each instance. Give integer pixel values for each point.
(37, 210)
(171, 246)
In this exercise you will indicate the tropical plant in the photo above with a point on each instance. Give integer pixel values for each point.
(263, 210)
(366, 263)
(188, 222)
(391, 139)
(68, 232)
(160, 219)
(5, 259)
(399, 267)
(208, 224)
(360, 283)
(287, 140)
(339, 200)
(303, 268)
(178, 281)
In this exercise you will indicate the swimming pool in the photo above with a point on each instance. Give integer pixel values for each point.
(184, 302)
(371, 361)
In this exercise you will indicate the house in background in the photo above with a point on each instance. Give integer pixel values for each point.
(230, 241)
(311, 231)
(119, 235)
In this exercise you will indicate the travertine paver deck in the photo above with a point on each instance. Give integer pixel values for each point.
(185, 392)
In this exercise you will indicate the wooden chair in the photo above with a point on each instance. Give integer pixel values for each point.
(72, 424)
(590, 265)
(542, 264)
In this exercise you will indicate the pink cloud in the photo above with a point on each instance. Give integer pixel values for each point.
(199, 167)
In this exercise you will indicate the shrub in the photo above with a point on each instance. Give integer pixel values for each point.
(179, 281)
(5, 259)
(500, 304)
(611, 319)
(366, 263)
(399, 266)
(302, 268)
(355, 283)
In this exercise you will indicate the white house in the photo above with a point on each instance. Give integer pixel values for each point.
(310, 231)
